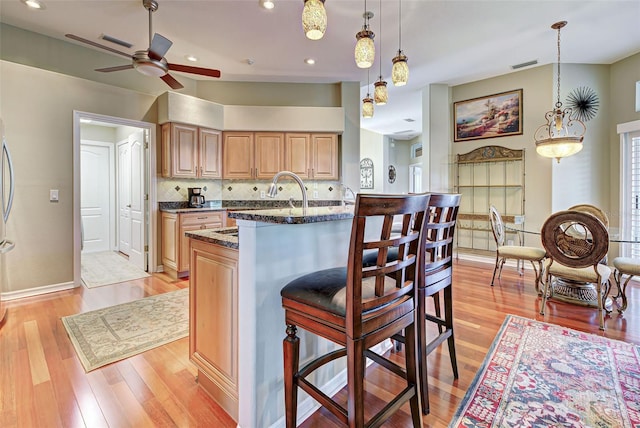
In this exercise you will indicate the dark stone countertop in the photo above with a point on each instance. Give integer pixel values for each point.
(235, 205)
(226, 236)
(295, 215)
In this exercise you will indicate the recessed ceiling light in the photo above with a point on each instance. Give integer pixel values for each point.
(191, 58)
(267, 4)
(33, 4)
(309, 61)
(250, 61)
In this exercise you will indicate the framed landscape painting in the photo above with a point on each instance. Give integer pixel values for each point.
(498, 115)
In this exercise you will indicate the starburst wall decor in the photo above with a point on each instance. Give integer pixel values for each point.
(584, 102)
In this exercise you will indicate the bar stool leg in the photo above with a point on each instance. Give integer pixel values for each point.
(355, 382)
(291, 351)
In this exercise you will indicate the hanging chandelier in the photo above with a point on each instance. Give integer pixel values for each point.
(314, 19)
(380, 93)
(563, 133)
(400, 70)
(365, 51)
(367, 103)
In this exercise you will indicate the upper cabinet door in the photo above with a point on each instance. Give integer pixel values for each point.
(210, 153)
(237, 154)
(269, 152)
(184, 142)
(298, 154)
(324, 156)
(166, 150)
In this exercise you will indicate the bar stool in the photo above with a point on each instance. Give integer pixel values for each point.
(439, 231)
(358, 307)
(624, 266)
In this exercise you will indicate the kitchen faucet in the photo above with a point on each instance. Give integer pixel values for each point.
(346, 201)
(273, 190)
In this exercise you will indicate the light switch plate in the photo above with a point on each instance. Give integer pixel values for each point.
(53, 195)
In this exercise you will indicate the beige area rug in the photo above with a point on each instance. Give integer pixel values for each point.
(111, 334)
(107, 267)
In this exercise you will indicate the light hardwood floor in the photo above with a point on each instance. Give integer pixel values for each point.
(42, 383)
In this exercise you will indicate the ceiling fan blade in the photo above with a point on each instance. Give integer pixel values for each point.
(195, 70)
(97, 45)
(159, 46)
(171, 81)
(116, 68)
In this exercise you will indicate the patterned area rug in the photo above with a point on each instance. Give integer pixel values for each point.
(107, 267)
(543, 375)
(111, 334)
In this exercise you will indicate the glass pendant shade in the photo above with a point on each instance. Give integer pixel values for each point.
(562, 133)
(365, 52)
(380, 94)
(314, 19)
(367, 107)
(400, 70)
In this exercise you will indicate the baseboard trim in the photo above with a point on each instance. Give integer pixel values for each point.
(37, 291)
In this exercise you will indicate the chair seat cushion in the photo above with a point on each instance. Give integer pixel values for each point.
(586, 274)
(627, 265)
(327, 289)
(522, 253)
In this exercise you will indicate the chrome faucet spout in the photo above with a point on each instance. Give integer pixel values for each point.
(273, 191)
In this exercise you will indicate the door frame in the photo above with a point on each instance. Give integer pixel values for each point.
(151, 213)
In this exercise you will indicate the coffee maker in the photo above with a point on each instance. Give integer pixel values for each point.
(196, 199)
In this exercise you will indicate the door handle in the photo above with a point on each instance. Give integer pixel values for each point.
(128, 205)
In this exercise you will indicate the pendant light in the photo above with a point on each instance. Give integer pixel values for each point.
(365, 51)
(563, 133)
(367, 103)
(400, 71)
(314, 19)
(380, 93)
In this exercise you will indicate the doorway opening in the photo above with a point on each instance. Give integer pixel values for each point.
(114, 190)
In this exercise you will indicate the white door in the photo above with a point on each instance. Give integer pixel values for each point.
(94, 195)
(415, 178)
(124, 197)
(137, 201)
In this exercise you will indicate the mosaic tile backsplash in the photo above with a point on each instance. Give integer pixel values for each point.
(175, 190)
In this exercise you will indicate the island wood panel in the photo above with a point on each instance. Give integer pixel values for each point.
(213, 317)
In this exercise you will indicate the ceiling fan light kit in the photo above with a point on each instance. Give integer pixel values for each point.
(151, 62)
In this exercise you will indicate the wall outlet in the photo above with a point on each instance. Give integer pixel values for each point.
(315, 194)
(262, 195)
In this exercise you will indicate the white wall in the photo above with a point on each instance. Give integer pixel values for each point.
(372, 147)
(37, 108)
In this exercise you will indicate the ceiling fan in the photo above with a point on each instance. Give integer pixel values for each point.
(151, 61)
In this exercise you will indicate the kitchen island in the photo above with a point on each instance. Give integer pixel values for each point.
(242, 336)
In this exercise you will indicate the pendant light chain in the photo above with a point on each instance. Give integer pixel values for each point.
(558, 103)
(399, 25)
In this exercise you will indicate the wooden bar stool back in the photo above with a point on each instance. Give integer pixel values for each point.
(359, 306)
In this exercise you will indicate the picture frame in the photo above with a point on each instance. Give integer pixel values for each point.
(491, 116)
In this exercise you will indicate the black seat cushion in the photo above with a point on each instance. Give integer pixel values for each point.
(370, 257)
(327, 289)
(318, 289)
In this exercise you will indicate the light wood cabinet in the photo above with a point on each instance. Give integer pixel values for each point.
(252, 155)
(175, 245)
(190, 152)
(213, 318)
(312, 156)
